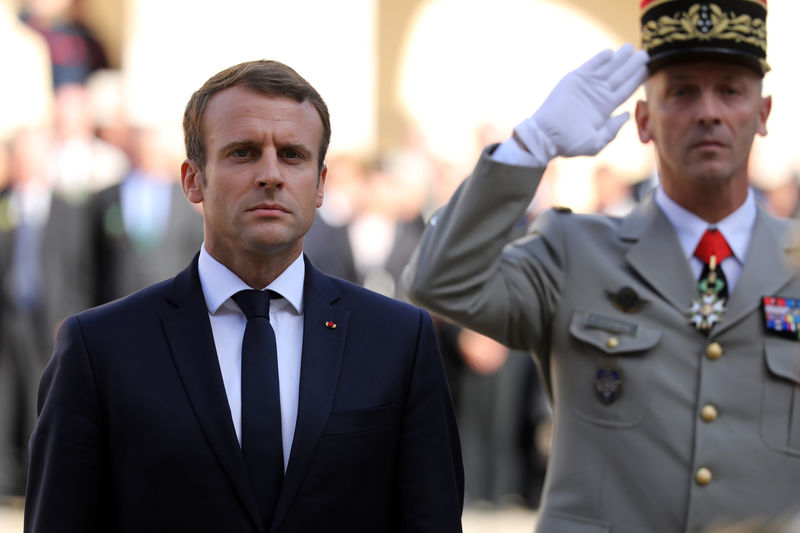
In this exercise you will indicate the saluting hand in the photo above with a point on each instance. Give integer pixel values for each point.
(575, 119)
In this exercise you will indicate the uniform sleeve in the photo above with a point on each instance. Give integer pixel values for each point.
(67, 480)
(465, 270)
(430, 469)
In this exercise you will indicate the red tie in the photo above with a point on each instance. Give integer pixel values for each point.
(712, 243)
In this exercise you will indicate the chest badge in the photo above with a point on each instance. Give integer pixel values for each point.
(608, 383)
(781, 316)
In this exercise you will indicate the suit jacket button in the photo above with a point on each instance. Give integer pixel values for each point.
(714, 351)
(703, 476)
(708, 413)
(612, 342)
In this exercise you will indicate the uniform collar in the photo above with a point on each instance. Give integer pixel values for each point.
(736, 227)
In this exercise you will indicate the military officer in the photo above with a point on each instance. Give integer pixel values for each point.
(668, 338)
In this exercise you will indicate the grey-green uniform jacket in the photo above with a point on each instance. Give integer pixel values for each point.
(701, 428)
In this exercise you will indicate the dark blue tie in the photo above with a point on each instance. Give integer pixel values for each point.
(262, 446)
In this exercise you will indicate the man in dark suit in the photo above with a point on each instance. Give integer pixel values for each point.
(157, 412)
(141, 230)
(41, 275)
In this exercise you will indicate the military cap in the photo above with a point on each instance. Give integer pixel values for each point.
(695, 30)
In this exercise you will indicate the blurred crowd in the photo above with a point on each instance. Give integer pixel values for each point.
(90, 205)
(91, 209)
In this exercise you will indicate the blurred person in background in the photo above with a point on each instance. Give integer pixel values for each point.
(668, 338)
(108, 108)
(327, 243)
(42, 272)
(141, 230)
(74, 50)
(82, 162)
(781, 196)
(388, 224)
(501, 409)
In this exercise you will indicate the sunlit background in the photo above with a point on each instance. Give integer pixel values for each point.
(451, 74)
(441, 78)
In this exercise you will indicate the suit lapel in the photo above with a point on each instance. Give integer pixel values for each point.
(653, 239)
(323, 350)
(191, 341)
(764, 272)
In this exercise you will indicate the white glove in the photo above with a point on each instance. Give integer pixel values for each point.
(575, 119)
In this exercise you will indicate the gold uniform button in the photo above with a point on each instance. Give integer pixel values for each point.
(612, 342)
(708, 413)
(703, 476)
(714, 350)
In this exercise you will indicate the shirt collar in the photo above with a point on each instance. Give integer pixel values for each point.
(219, 283)
(736, 227)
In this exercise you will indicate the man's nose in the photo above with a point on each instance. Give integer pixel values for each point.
(708, 108)
(269, 171)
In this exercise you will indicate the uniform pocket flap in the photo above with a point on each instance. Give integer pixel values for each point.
(783, 358)
(612, 335)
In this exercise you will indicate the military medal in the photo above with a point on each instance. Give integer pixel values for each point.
(781, 316)
(708, 309)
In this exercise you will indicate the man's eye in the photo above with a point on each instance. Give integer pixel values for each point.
(241, 152)
(291, 154)
(679, 92)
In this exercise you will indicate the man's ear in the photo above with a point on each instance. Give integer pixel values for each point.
(192, 181)
(643, 122)
(323, 175)
(763, 114)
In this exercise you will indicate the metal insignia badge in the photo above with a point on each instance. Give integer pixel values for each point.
(626, 300)
(781, 316)
(608, 382)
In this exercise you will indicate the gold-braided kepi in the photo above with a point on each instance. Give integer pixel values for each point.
(718, 30)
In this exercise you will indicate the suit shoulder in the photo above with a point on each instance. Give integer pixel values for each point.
(146, 300)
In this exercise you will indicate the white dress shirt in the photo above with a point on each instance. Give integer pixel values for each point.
(228, 323)
(737, 228)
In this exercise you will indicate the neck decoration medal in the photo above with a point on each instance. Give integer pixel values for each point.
(709, 308)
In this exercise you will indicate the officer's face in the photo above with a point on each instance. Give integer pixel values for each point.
(702, 118)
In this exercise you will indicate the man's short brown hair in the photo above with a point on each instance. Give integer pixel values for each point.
(268, 77)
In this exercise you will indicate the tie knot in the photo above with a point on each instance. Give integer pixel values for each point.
(253, 303)
(713, 243)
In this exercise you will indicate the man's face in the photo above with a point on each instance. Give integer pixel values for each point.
(261, 185)
(702, 118)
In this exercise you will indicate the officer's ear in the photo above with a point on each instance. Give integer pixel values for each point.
(643, 121)
(763, 114)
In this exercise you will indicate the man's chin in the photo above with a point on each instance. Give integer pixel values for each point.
(712, 174)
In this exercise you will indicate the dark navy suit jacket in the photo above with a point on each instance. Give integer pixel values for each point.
(135, 433)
